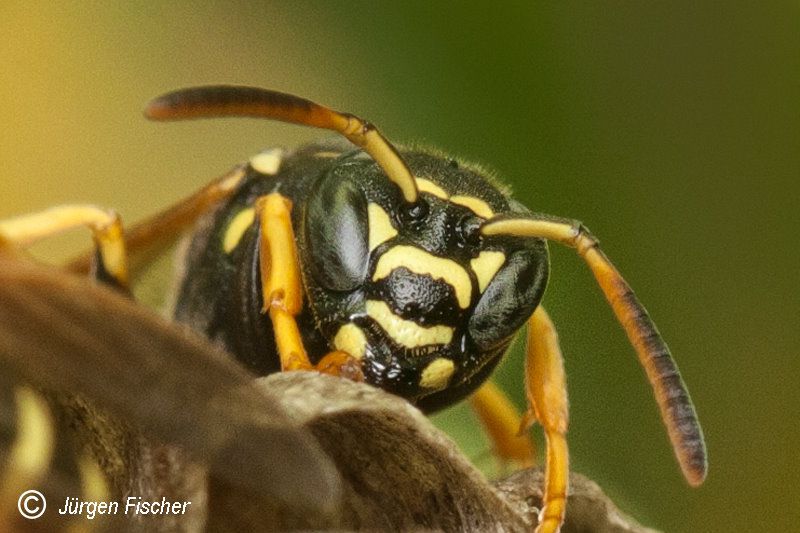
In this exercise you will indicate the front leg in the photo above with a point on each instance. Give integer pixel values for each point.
(545, 387)
(282, 291)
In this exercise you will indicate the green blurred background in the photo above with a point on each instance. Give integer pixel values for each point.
(672, 130)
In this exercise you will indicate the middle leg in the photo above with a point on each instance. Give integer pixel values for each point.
(502, 423)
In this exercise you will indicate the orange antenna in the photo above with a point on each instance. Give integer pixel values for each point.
(672, 396)
(237, 101)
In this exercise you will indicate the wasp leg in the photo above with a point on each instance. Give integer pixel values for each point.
(150, 237)
(283, 294)
(29, 458)
(502, 422)
(545, 387)
(105, 225)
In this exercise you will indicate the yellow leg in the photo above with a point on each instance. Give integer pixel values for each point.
(152, 236)
(29, 457)
(283, 293)
(502, 423)
(105, 225)
(545, 387)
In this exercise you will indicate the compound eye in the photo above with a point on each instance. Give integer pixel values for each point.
(510, 298)
(337, 234)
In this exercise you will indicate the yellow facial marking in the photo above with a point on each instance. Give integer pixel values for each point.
(267, 162)
(380, 226)
(430, 187)
(405, 332)
(351, 339)
(437, 374)
(240, 223)
(476, 205)
(421, 262)
(486, 266)
(325, 154)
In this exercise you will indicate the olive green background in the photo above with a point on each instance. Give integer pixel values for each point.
(671, 129)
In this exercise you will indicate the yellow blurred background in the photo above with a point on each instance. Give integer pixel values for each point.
(672, 130)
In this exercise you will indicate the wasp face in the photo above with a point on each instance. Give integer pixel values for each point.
(412, 289)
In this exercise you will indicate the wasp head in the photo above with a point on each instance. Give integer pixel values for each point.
(412, 288)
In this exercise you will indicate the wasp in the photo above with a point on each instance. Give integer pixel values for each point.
(400, 267)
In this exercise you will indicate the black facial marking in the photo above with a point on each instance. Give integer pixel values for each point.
(418, 297)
